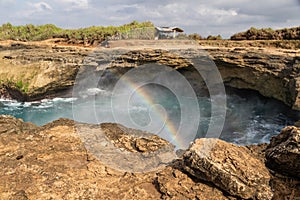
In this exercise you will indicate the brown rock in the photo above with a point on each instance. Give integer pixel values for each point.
(40, 70)
(273, 73)
(283, 152)
(51, 69)
(54, 161)
(11, 92)
(174, 184)
(19, 195)
(122, 148)
(9, 125)
(297, 123)
(283, 187)
(258, 151)
(55, 164)
(132, 140)
(139, 57)
(229, 167)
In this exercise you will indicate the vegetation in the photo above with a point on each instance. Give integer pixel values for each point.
(284, 44)
(211, 37)
(96, 34)
(268, 34)
(20, 85)
(143, 33)
(195, 36)
(88, 35)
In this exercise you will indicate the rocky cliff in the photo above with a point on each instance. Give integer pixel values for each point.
(54, 162)
(273, 73)
(39, 71)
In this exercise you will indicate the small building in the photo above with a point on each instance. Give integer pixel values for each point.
(167, 32)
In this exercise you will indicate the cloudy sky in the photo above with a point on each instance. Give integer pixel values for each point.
(214, 17)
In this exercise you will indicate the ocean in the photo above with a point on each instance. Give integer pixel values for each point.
(250, 119)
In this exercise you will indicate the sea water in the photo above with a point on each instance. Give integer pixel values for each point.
(250, 119)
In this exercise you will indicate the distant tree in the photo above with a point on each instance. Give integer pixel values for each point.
(210, 37)
(268, 34)
(195, 36)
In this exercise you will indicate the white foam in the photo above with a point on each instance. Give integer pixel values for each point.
(94, 91)
(97, 91)
(66, 100)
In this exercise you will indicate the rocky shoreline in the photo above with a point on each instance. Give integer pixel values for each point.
(49, 70)
(52, 161)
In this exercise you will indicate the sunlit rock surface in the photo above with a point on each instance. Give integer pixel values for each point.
(53, 161)
(49, 70)
(229, 167)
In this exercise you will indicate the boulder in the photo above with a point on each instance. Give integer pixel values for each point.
(174, 184)
(136, 141)
(283, 152)
(229, 167)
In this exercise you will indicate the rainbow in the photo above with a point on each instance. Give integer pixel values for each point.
(145, 97)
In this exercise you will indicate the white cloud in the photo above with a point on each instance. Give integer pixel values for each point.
(40, 6)
(6, 1)
(74, 4)
(224, 17)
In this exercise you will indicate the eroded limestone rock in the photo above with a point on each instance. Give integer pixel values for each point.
(229, 167)
(54, 161)
(50, 69)
(283, 152)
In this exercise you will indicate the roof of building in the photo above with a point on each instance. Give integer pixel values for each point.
(169, 29)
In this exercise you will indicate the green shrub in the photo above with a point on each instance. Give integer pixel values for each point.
(268, 34)
(195, 36)
(31, 32)
(210, 37)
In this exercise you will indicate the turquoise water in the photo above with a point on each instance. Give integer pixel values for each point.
(249, 120)
(39, 112)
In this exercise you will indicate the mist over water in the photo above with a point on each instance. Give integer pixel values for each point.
(250, 118)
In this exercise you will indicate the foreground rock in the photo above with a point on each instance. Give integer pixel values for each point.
(56, 161)
(126, 149)
(51, 162)
(174, 184)
(283, 152)
(229, 167)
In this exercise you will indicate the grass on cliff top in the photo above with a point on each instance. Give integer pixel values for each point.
(268, 34)
(282, 44)
(31, 32)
